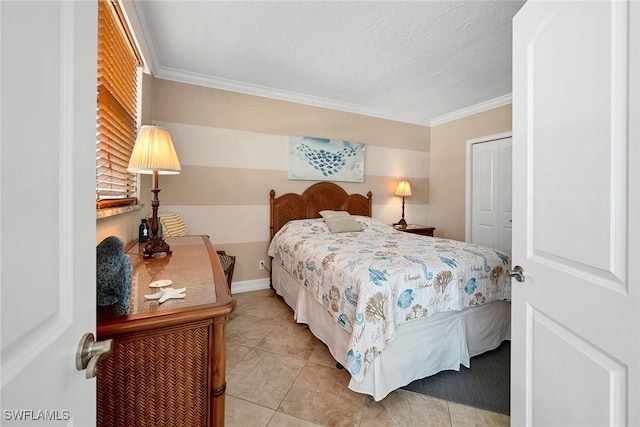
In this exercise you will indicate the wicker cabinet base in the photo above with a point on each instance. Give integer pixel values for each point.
(167, 366)
(158, 379)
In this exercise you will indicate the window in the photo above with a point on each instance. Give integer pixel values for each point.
(117, 91)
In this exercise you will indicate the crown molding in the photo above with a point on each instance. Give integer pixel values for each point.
(473, 109)
(282, 95)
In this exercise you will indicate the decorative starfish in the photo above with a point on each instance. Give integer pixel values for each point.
(167, 293)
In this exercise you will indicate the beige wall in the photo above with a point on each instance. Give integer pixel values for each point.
(190, 104)
(224, 193)
(233, 149)
(448, 157)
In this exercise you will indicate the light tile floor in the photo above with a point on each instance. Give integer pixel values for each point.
(280, 375)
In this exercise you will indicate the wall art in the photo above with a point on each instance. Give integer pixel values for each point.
(321, 159)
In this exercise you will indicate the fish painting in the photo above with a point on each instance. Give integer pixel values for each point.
(406, 298)
(311, 265)
(325, 161)
(471, 286)
(287, 249)
(325, 302)
(343, 320)
(350, 296)
(354, 362)
(377, 276)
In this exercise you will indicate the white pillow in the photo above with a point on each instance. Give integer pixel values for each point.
(327, 214)
(342, 223)
(172, 225)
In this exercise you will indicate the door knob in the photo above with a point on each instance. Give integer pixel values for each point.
(517, 273)
(90, 352)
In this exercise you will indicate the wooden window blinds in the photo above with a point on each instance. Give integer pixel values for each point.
(117, 92)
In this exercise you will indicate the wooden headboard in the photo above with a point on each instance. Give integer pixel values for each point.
(318, 197)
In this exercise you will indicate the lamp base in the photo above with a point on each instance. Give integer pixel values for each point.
(401, 223)
(155, 247)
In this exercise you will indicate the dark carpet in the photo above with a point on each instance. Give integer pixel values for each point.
(485, 385)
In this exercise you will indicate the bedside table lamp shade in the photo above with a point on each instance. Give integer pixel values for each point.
(153, 153)
(404, 190)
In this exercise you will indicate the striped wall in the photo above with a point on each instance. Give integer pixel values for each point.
(448, 156)
(233, 149)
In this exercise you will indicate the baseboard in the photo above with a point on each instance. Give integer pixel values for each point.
(250, 285)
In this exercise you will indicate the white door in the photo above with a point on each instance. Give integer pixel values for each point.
(576, 211)
(47, 205)
(491, 193)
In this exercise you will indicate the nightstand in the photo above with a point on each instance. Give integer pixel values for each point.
(423, 230)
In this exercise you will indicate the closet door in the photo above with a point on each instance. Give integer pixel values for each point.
(491, 194)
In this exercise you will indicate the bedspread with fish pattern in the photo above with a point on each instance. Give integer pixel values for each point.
(376, 279)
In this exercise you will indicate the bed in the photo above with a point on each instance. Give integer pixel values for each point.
(392, 307)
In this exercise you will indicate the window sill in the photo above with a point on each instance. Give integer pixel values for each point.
(109, 212)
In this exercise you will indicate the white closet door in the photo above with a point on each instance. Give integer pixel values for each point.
(491, 194)
(504, 196)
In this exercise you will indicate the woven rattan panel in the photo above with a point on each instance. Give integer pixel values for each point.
(318, 197)
(156, 380)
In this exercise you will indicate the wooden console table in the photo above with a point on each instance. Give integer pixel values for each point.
(167, 367)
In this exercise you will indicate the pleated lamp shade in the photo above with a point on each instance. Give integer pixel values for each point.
(154, 151)
(403, 189)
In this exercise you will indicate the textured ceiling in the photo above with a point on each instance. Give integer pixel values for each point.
(410, 61)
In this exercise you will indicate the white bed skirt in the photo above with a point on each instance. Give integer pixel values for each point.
(421, 348)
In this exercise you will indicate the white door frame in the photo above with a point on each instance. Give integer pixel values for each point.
(468, 213)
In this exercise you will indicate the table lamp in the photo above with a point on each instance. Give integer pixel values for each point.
(153, 153)
(404, 190)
